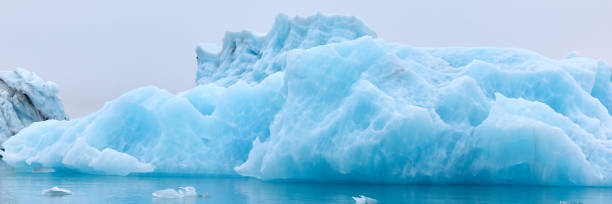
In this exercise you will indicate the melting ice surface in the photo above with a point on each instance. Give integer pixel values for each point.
(322, 99)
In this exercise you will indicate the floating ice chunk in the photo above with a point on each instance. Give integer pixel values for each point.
(167, 193)
(56, 191)
(182, 192)
(364, 200)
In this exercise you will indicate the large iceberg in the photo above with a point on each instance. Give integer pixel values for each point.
(322, 99)
(24, 99)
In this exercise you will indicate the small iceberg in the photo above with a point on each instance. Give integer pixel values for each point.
(364, 200)
(56, 191)
(182, 192)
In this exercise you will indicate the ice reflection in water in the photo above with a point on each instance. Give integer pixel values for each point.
(26, 188)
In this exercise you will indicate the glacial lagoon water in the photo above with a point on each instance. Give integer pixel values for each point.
(27, 188)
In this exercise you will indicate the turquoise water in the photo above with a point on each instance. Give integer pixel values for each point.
(26, 188)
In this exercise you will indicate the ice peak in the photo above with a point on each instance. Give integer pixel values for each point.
(252, 57)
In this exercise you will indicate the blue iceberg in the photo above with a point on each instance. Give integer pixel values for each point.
(25, 98)
(322, 99)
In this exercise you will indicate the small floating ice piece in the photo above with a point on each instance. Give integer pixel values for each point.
(182, 192)
(56, 191)
(364, 200)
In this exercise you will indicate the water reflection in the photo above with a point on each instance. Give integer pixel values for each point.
(176, 200)
(26, 188)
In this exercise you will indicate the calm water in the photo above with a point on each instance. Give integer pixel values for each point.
(26, 188)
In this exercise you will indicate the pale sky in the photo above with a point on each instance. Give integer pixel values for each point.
(97, 50)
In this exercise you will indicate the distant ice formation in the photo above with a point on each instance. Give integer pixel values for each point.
(56, 191)
(24, 99)
(322, 99)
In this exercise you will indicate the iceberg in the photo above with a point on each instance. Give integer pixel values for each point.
(364, 200)
(322, 99)
(24, 99)
(183, 192)
(56, 191)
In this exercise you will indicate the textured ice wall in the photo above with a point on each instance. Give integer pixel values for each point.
(252, 57)
(359, 110)
(368, 111)
(24, 99)
(206, 130)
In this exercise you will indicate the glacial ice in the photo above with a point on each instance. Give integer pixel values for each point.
(24, 99)
(327, 101)
(206, 130)
(252, 57)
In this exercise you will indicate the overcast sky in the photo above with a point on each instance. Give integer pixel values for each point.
(97, 50)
